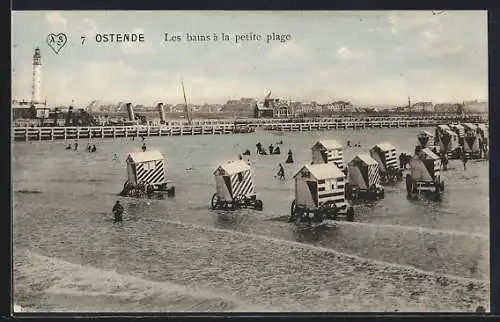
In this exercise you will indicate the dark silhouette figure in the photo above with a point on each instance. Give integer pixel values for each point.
(76, 146)
(144, 147)
(247, 152)
(94, 148)
(68, 147)
(348, 143)
(89, 148)
(444, 161)
(259, 148)
(271, 148)
(281, 172)
(118, 212)
(290, 157)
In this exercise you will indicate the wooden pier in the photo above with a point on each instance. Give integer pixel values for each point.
(218, 127)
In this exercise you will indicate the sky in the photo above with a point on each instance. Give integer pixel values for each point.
(366, 57)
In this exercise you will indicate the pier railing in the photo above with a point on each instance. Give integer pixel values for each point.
(215, 127)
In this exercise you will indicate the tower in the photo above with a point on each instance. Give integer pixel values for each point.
(37, 75)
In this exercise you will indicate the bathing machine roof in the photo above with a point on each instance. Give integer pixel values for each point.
(328, 144)
(365, 158)
(385, 146)
(321, 171)
(232, 167)
(146, 156)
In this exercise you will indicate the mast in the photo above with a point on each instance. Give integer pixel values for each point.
(186, 108)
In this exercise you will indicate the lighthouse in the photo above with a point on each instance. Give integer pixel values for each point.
(37, 77)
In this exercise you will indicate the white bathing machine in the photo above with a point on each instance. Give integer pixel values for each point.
(448, 143)
(471, 145)
(328, 151)
(460, 130)
(425, 173)
(234, 187)
(363, 179)
(386, 156)
(425, 139)
(440, 130)
(320, 192)
(146, 175)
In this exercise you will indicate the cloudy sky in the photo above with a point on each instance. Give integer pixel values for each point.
(366, 57)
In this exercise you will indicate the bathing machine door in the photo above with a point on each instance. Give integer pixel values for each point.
(306, 190)
(223, 185)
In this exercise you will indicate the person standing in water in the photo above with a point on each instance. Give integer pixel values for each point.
(259, 147)
(144, 147)
(281, 172)
(76, 145)
(118, 212)
(444, 161)
(290, 157)
(464, 160)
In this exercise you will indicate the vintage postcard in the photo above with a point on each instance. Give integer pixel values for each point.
(224, 161)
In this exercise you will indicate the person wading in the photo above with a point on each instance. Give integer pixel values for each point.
(118, 212)
(281, 172)
(444, 161)
(464, 160)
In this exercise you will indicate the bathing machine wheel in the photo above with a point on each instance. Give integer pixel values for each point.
(328, 210)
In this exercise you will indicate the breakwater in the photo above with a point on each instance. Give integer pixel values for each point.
(218, 127)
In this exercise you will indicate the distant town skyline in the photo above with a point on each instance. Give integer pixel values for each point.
(368, 58)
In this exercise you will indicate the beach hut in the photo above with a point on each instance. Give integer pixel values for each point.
(460, 130)
(234, 187)
(425, 139)
(424, 173)
(146, 175)
(471, 145)
(440, 129)
(328, 151)
(386, 156)
(320, 192)
(363, 179)
(469, 127)
(448, 143)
